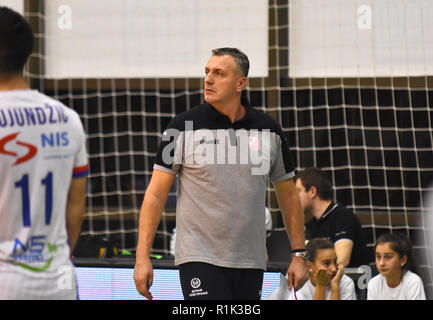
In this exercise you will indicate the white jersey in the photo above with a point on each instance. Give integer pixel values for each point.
(410, 288)
(347, 290)
(42, 148)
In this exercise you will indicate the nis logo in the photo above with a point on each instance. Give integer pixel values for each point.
(22, 151)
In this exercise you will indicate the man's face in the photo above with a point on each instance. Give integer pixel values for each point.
(223, 80)
(326, 259)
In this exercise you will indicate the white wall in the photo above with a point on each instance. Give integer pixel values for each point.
(153, 39)
(336, 38)
(17, 5)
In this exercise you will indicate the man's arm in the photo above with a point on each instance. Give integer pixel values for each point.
(290, 206)
(75, 207)
(150, 216)
(343, 249)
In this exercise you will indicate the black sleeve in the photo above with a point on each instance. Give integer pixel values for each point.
(344, 226)
(168, 151)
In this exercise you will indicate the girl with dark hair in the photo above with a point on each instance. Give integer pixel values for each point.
(397, 279)
(327, 280)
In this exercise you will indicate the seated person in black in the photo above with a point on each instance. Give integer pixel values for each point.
(330, 220)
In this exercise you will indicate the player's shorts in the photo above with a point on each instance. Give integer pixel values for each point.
(203, 281)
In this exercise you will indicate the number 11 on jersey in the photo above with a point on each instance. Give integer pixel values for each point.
(23, 184)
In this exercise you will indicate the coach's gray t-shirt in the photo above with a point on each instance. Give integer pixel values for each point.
(223, 169)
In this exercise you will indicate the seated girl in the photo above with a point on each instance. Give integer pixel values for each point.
(327, 279)
(396, 280)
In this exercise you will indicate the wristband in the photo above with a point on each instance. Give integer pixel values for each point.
(300, 253)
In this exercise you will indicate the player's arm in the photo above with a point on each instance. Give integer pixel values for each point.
(343, 249)
(293, 218)
(75, 207)
(150, 216)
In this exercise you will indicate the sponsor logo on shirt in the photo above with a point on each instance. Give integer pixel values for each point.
(30, 150)
(26, 255)
(221, 146)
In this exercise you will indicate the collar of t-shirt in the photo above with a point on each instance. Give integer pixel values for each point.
(328, 210)
(219, 116)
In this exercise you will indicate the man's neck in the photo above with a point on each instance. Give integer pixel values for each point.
(233, 109)
(320, 208)
(13, 82)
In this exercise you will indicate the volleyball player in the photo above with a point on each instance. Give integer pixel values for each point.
(220, 218)
(43, 169)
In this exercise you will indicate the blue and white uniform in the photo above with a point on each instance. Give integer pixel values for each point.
(42, 148)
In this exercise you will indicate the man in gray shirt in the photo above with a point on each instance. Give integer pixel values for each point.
(223, 152)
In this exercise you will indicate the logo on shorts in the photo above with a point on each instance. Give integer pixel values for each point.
(196, 290)
(195, 283)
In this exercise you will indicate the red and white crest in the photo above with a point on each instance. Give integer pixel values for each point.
(254, 143)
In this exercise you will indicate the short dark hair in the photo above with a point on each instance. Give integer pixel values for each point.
(16, 41)
(317, 244)
(315, 177)
(240, 58)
